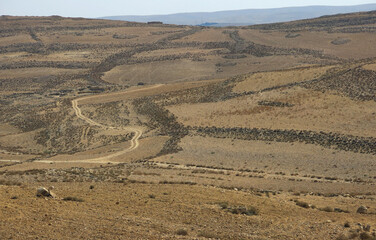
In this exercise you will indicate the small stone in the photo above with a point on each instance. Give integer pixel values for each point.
(362, 210)
(43, 192)
(367, 228)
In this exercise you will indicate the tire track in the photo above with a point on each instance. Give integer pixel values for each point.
(15, 161)
(84, 134)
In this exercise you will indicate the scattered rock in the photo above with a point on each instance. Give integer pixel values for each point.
(292, 35)
(43, 192)
(362, 210)
(340, 41)
(366, 228)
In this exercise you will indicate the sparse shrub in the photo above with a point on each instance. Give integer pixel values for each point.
(340, 210)
(249, 211)
(74, 199)
(366, 236)
(182, 232)
(353, 235)
(327, 209)
(9, 183)
(302, 204)
(346, 225)
(172, 182)
(151, 196)
(223, 205)
(207, 234)
(342, 237)
(91, 187)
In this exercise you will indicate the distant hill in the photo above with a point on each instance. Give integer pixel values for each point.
(247, 17)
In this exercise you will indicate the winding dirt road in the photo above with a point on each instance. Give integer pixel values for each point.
(15, 161)
(136, 130)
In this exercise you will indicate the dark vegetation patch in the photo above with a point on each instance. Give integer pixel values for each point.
(243, 210)
(124, 36)
(340, 41)
(73, 199)
(302, 204)
(113, 113)
(46, 64)
(234, 56)
(356, 83)
(274, 104)
(9, 183)
(182, 232)
(41, 85)
(241, 46)
(327, 140)
(292, 35)
(325, 23)
(163, 120)
(164, 32)
(170, 57)
(210, 93)
(362, 29)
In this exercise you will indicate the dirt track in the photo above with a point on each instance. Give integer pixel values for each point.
(136, 130)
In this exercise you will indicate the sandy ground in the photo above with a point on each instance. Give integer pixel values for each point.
(260, 81)
(270, 157)
(207, 35)
(6, 129)
(311, 111)
(143, 211)
(143, 91)
(163, 72)
(321, 41)
(371, 67)
(36, 72)
(21, 38)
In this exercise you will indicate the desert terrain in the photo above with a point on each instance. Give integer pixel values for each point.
(156, 131)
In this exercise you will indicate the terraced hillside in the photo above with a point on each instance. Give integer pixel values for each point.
(148, 130)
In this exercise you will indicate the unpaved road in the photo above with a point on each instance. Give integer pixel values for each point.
(4, 160)
(136, 130)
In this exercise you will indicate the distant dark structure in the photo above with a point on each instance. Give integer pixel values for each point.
(155, 22)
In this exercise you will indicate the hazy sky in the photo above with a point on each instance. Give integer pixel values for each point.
(100, 8)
